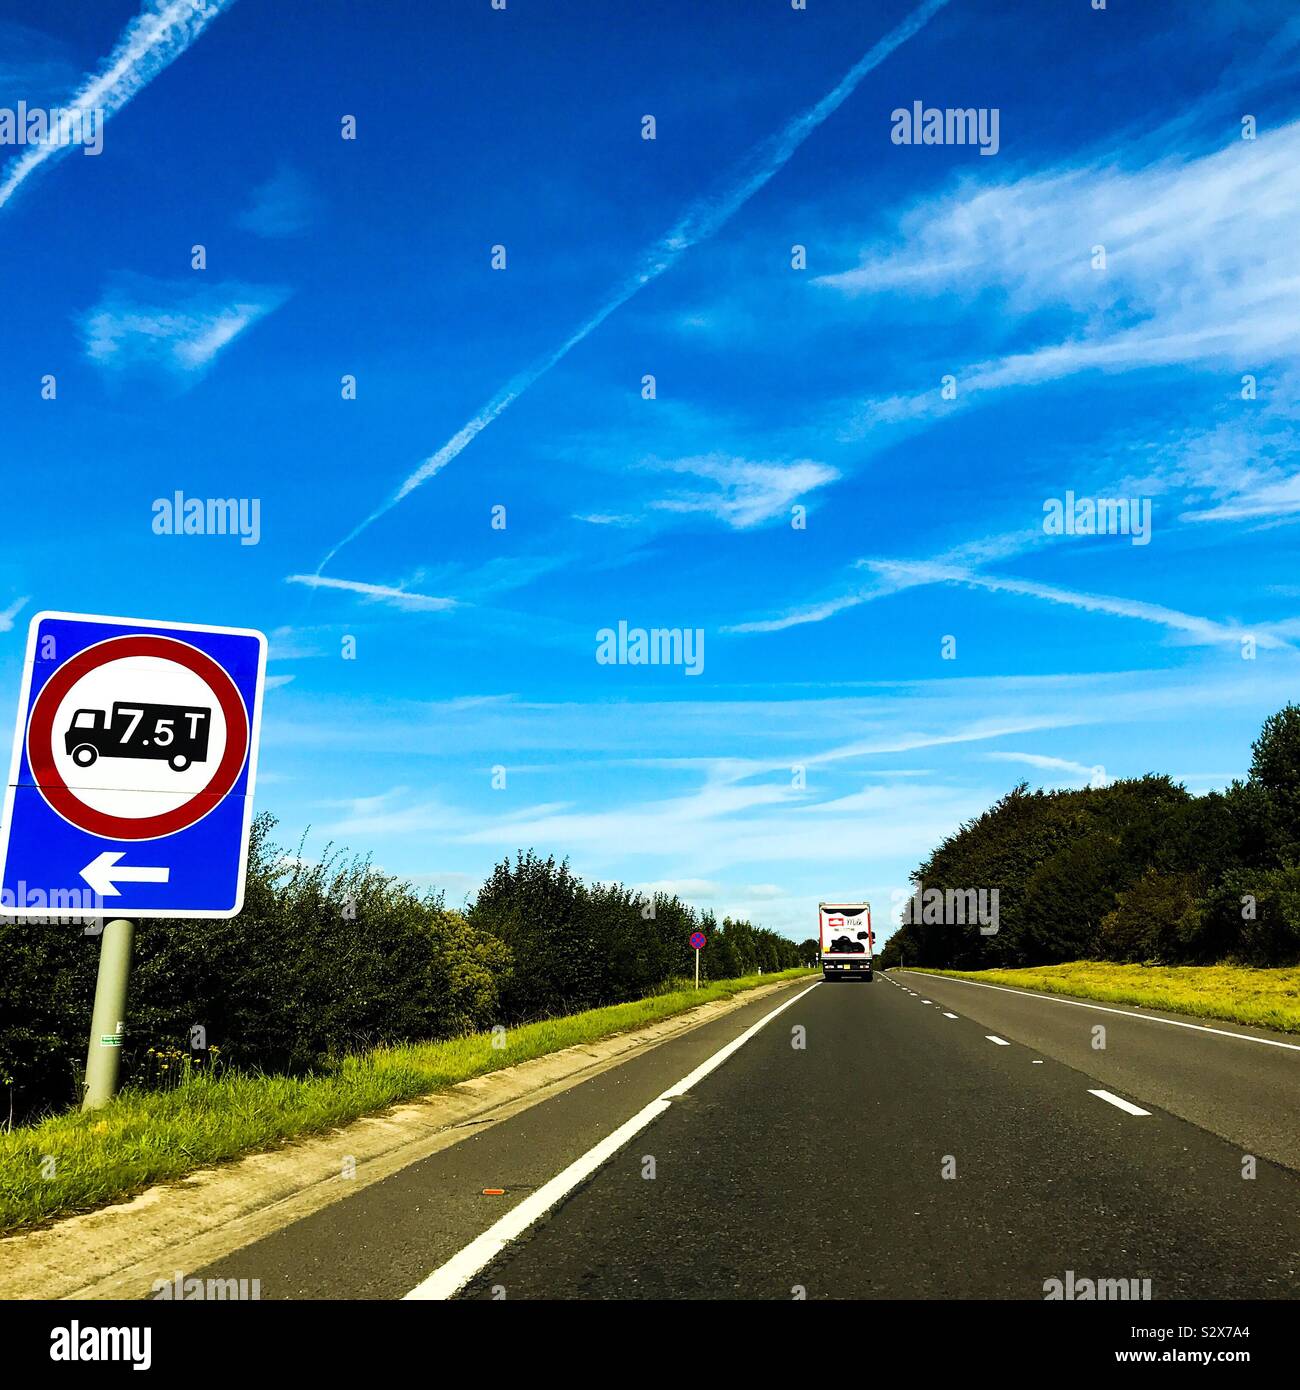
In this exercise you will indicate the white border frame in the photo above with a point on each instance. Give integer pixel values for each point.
(20, 742)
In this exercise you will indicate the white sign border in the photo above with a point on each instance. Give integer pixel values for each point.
(107, 911)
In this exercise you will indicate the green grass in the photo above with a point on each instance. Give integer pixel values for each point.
(1234, 993)
(144, 1137)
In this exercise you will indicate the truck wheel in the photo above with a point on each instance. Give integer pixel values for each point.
(178, 762)
(84, 754)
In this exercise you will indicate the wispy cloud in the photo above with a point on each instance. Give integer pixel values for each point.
(403, 599)
(1096, 776)
(747, 492)
(688, 889)
(1202, 266)
(282, 206)
(979, 551)
(7, 615)
(171, 326)
(1275, 499)
(700, 222)
(153, 40)
(34, 62)
(1189, 627)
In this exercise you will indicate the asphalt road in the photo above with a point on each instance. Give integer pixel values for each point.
(861, 1144)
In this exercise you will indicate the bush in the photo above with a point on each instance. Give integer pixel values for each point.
(324, 959)
(336, 957)
(1157, 921)
(1253, 916)
(579, 947)
(1138, 870)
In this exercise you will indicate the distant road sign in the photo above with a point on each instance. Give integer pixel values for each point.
(131, 783)
(699, 940)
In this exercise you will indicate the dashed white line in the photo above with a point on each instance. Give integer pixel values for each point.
(447, 1279)
(948, 1015)
(1125, 1105)
(1127, 1013)
(993, 1038)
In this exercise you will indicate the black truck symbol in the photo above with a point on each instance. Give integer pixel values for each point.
(177, 733)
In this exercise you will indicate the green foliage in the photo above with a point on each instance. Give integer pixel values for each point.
(579, 947)
(1253, 916)
(1067, 896)
(1157, 920)
(333, 958)
(1275, 760)
(1135, 871)
(169, 1127)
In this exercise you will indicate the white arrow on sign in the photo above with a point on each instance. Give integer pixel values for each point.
(103, 875)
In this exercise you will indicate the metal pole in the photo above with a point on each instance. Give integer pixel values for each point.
(107, 1019)
(697, 970)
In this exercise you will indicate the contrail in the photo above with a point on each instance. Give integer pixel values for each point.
(699, 223)
(156, 37)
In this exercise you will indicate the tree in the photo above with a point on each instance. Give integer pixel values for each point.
(1157, 920)
(1275, 760)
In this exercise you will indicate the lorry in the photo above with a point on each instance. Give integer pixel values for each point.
(846, 940)
(176, 733)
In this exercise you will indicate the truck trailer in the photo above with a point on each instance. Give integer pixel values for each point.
(846, 940)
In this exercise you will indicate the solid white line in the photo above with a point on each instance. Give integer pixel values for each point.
(480, 1252)
(1119, 1101)
(993, 1038)
(948, 1015)
(1148, 1018)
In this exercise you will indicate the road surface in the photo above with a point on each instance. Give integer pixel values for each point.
(909, 1138)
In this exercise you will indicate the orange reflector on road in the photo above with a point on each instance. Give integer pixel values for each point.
(494, 1192)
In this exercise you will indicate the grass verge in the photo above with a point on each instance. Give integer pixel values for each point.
(145, 1137)
(1233, 993)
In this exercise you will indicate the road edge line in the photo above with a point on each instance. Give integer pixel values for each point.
(1107, 1009)
(449, 1278)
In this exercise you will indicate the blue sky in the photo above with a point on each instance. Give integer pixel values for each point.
(776, 388)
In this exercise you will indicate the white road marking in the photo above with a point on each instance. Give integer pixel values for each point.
(1126, 1105)
(1038, 1061)
(927, 1001)
(948, 1015)
(480, 1252)
(1147, 1018)
(993, 1038)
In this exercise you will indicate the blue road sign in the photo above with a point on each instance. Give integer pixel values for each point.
(130, 787)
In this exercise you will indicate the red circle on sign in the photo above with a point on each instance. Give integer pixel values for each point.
(40, 739)
(699, 940)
